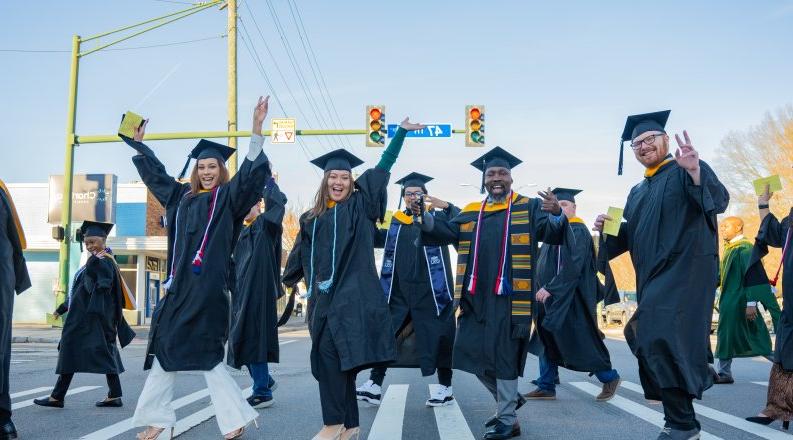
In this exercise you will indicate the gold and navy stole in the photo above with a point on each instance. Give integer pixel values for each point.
(435, 263)
(521, 293)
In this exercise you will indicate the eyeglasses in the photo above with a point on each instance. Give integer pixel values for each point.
(414, 194)
(648, 140)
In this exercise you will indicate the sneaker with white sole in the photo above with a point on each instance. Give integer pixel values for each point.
(441, 396)
(259, 402)
(369, 392)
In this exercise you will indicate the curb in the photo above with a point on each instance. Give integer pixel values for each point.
(33, 339)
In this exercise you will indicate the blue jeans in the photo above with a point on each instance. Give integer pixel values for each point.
(549, 372)
(261, 379)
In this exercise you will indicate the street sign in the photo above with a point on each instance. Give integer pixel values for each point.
(432, 131)
(283, 131)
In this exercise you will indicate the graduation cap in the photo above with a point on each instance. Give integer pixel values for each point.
(497, 157)
(413, 179)
(566, 194)
(638, 124)
(93, 229)
(206, 150)
(340, 159)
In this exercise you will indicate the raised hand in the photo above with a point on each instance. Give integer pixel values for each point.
(600, 221)
(410, 126)
(686, 156)
(140, 131)
(549, 202)
(260, 113)
(764, 198)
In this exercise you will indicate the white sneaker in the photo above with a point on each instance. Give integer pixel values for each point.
(440, 396)
(369, 392)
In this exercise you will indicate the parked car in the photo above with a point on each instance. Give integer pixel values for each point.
(620, 312)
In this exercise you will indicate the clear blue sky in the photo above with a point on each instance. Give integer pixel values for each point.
(558, 79)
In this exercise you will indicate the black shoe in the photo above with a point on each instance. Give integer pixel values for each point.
(8, 431)
(675, 434)
(492, 421)
(500, 431)
(760, 420)
(110, 402)
(258, 402)
(723, 379)
(45, 401)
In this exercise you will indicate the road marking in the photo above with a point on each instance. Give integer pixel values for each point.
(187, 423)
(26, 403)
(390, 416)
(633, 408)
(29, 392)
(21, 361)
(451, 422)
(765, 384)
(126, 424)
(727, 419)
(287, 342)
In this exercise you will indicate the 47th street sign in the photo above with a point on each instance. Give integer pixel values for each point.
(432, 131)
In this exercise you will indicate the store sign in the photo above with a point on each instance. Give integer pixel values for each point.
(93, 198)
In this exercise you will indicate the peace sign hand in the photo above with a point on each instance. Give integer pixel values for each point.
(549, 202)
(686, 156)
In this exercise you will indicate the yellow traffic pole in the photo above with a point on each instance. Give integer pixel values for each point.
(68, 171)
(232, 81)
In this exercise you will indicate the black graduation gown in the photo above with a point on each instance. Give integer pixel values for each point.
(254, 332)
(484, 344)
(424, 338)
(565, 326)
(671, 233)
(354, 309)
(774, 233)
(190, 325)
(88, 340)
(14, 278)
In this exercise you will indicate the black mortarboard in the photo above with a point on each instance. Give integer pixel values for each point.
(340, 159)
(95, 229)
(205, 150)
(413, 179)
(497, 157)
(566, 194)
(638, 124)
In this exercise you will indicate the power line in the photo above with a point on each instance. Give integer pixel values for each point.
(280, 72)
(308, 49)
(257, 61)
(295, 65)
(174, 43)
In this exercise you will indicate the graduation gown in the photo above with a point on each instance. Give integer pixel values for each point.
(565, 325)
(253, 337)
(671, 233)
(190, 325)
(424, 338)
(775, 233)
(14, 279)
(94, 321)
(354, 309)
(484, 344)
(736, 336)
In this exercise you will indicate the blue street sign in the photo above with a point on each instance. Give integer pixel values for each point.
(432, 131)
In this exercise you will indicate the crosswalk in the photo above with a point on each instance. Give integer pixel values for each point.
(450, 421)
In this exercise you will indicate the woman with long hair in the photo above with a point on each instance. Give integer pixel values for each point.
(349, 320)
(190, 325)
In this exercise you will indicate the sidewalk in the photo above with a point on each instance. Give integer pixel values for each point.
(45, 334)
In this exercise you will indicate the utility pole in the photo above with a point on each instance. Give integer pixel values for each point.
(232, 81)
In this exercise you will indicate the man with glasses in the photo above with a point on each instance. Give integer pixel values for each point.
(417, 283)
(672, 236)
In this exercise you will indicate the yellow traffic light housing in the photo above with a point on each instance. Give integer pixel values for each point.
(375, 126)
(475, 126)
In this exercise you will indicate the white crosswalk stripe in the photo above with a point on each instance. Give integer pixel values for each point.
(633, 408)
(390, 416)
(727, 419)
(26, 403)
(451, 422)
(765, 384)
(185, 424)
(29, 392)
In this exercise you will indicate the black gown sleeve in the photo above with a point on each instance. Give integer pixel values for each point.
(245, 188)
(445, 232)
(293, 272)
(710, 195)
(572, 257)
(548, 228)
(274, 208)
(371, 188)
(101, 270)
(164, 187)
(63, 308)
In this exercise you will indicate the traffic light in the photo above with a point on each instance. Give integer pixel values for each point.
(475, 126)
(375, 126)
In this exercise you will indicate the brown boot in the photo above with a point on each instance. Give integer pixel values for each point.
(609, 390)
(539, 394)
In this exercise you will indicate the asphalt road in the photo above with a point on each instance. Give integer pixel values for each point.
(403, 415)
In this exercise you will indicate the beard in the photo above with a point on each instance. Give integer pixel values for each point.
(499, 198)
